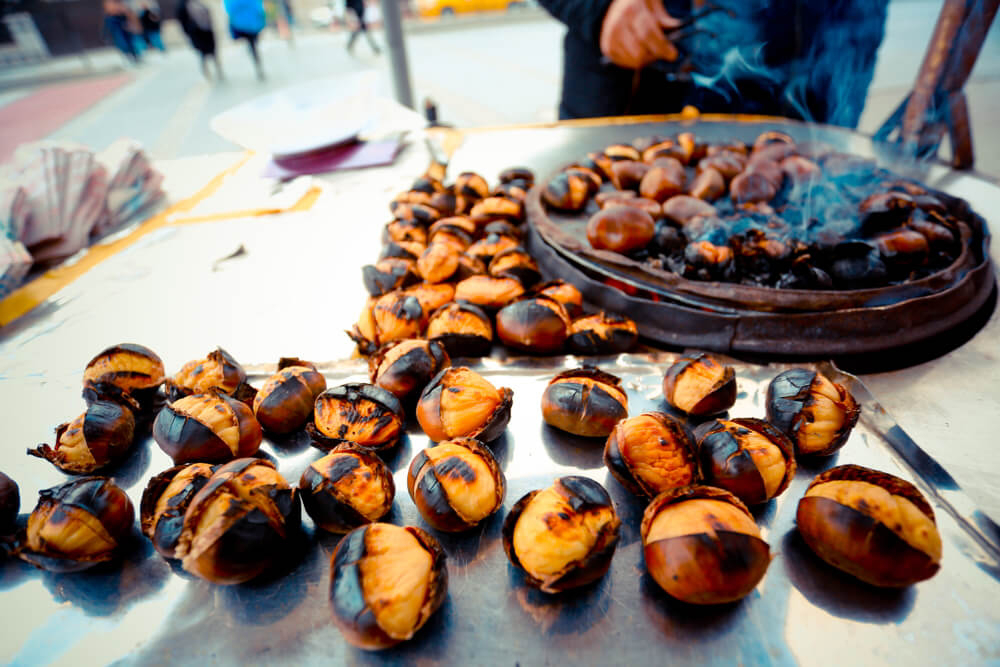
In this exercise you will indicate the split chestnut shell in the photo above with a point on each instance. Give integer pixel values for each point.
(537, 324)
(700, 385)
(459, 402)
(77, 525)
(285, 401)
(463, 329)
(651, 453)
(405, 367)
(212, 427)
(357, 412)
(456, 484)
(135, 369)
(216, 371)
(386, 581)
(747, 457)
(99, 437)
(603, 333)
(347, 488)
(870, 524)
(701, 545)
(814, 412)
(585, 401)
(563, 536)
(165, 501)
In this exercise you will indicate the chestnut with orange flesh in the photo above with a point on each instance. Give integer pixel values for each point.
(683, 209)
(487, 292)
(872, 525)
(77, 525)
(584, 401)
(568, 191)
(492, 208)
(461, 223)
(603, 333)
(517, 190)
(461, 403)
(517, 174)
(728, 163)
(393, 316)
(456, 484)
(666, 179)
(535, 324)
(134, 369)
(430, 296)
(701, 545)
(413, 197)
(515, 263)
(165, 501)
(407, 212)
(491, 245)
(347, 488)
(563, 536)
(386, 581)
(402, 249)
(618, 152)
(471, 185)
(747, 457)
(212, 427)
(503, 228)
(427, 184)
(620, 228)
(652, 453)
(405, 231)
(361, 413)
(99, 437)
(452, 237)
(903, 249)
(10, 504)
(285, 401)
(814, 412)
(216, 371)
(389, 274)
(405, 367)
(563, 292)
(700, 385)
(668, 148)
(438, 262)
(463, 329)
(239, 524)
(446, 203)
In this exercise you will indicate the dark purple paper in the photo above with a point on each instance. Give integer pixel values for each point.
(355, 155)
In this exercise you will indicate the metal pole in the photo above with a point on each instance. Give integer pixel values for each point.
(393, 24)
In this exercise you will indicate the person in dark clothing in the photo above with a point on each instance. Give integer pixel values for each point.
(118, 23)
(796, 58)
(246, 20)
(149, 19)
(358, 7)
(196, 20)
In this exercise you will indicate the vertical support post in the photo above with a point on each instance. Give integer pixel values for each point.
(392, 22)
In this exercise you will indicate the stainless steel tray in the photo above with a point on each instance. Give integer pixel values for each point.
(149, 611)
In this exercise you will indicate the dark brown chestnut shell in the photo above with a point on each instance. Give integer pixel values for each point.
(361, 413)
(620, 228)
(285, 400)
(140, 380)
(672, 439)
(725, 462)
(515, 263)
(185, 439)
(602, 333)
(537, 324)
(717, 397)
(565, 293)
(790, 402)
(463, 329)
(412, 365)
(328, 488)
(10, 504)
(234, 378)
(108, 431)
(584, 401)
(388, 274)
(165, 530)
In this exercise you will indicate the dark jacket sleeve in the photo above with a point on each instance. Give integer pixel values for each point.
(582, 17)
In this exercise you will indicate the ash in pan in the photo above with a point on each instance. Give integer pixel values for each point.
(773, 213)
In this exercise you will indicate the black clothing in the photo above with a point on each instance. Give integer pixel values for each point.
(202, 39)
(358, 7)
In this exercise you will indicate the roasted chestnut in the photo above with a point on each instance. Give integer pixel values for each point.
(628, 174)
(747, 457)
(412, 197)
(517, 174)
(453, 237)
(389, 274)
(603, 333)
(392, 316)
(212, 427)
(461, 224)
(77, 525)
(285, 402)
(683, 209)
(216, 371)
(239, 524)
(708, 185)
(427, 184)
(515, 263)
(10, 504)
(491, 245)
(471, 186)
(405, 230)
(455, 484)
(463, 329)
(563, 292)
(446, 203)
(361, 413)
(701, 545)
(536, 324)
(414, 212)
(700, 385)
(430, 296)
(585, 401)
(134, 369)
(402, 249)
(385, 582)
(872, 525)
(405, 367)
(100, 436)
(729, 164)
(751, 187)
(347, 488)
(568, 191)
(488, 292)
(651, 453)
(438, 262)
(622, 152)
(165, 501)
(563, 536)
(814, 412)
(491, 208)
(620, 228)
(664, 180)
(459, 402)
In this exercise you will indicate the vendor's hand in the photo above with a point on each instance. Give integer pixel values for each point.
(632, 33)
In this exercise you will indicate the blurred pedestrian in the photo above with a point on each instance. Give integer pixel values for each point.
(119, 21)
(196, 20)
(246, 19)
(149, 19)
(358, 7)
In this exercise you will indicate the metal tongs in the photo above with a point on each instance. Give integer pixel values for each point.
(680, 69)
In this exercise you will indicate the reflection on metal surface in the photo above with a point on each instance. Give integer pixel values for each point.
(150, 611)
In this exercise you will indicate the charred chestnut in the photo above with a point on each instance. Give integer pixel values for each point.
(603, 333)
(405, 231)
(491, 245)
(814, 412)
(664, 180)
(406, 366)
(903, 250)
(134, 369)
(463, 329)
(471, 185)
(99, 437)
(517, 174)
(10, 504)
(455, 484)
(585, 401)
(385, 582)
(285, 402)
(537, 324)
(701, 545)
(216, 371)
(165, 501)
(568, 191)
(407, 212)
(682, 209)
(390, 317)
(347, 488)
(563, 536)
(461, 403)
(77, 525)
(239, 523)
(622, 152)
(430, 296)
(651, 453)
(563, 292)
(488, 292)
(498, 207)
(438, 263)
(210, 427)
(452, 236)
(361, 413)
(389, 274)
(620, 228)
(402, 249)
(515, 263)
(872, 525)
(700, 385)
(747, 457)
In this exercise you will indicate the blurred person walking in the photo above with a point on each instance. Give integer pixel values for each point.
(119, 22)
(358, 7)
(246, 19)
(149, 19)
(196, 20)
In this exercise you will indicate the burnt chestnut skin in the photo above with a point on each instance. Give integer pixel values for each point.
(537, 324)
(285, 401)
(166, 499)
(196, 428)
(747, 457)
(358, 412)
(99, 437)
(814, 412)
(347, 488)
(700, 385)
(584, 401)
